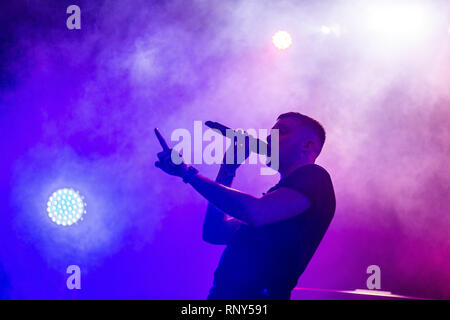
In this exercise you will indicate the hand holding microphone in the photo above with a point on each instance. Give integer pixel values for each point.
(255, 145)
(231, 160)
(241, 145)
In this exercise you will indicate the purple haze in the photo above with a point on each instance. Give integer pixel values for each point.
(77, 109)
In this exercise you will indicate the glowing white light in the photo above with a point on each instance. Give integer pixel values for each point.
(62, 209)
(334, 29)
(325, 30)
(282, 40)
(398, 19)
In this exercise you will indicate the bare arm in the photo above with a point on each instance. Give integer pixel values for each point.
(281, 204)
(217, 227)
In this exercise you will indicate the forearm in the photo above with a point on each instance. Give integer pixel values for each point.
(215, 218)
(228, 200)
(214, 214)
(217, 229)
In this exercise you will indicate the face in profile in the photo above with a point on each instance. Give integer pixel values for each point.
(295, 140)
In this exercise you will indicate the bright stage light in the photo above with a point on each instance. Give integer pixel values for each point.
(66, 207)
(325, 30)
(282, 40)
(334, 30)
(398, 20)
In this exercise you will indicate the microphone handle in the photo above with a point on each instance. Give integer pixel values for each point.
(215, 125)
(223, 130)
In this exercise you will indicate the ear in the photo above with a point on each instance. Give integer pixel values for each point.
(308, 146)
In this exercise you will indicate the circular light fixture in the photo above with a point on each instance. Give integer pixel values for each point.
(66, 207)
(282, 40)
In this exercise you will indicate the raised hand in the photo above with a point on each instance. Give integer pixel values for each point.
(236, 154)
(170, 160)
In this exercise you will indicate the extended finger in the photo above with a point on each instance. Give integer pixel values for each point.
(161, 140)
(164, 154)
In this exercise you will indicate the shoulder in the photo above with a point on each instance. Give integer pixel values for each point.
(312, 180)
(311, 171)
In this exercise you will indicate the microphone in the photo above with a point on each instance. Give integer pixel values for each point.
(256, 145)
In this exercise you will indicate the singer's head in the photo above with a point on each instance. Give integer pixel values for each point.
(301, 139)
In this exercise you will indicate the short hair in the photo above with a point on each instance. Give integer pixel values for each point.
(309, 122)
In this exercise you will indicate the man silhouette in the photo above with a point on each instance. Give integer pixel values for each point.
(269, 239)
